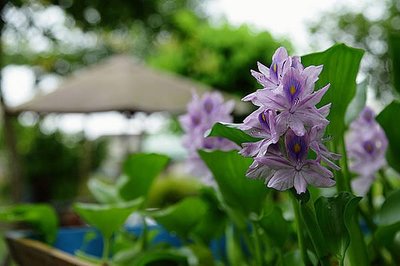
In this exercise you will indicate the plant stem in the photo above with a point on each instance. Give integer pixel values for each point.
(256, 242)
(387, 187)
(106, 249)
(300, 235)
(144, 233)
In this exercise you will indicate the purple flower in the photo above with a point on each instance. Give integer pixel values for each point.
(366, 145)
(288, 114)
(292, 168)
(202, 114)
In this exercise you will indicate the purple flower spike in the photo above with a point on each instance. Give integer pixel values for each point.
(202, 114)
(288, 114)
(293, 170)
(366, 145)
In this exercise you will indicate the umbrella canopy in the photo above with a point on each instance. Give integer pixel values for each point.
(119, 83)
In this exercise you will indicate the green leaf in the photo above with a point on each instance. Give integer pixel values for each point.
(357, 104)
(181, 217)
(394, 51)
(179, 257)
(390, 210)
(275, 226)
(41, 217)
(214, 215)
(388, 219)
(334, 215)
(292, 258)
(108, 218)
(231, 132)
(341, 64)
(238, 191)
(103, 192)
(141, 170)
(389, 121)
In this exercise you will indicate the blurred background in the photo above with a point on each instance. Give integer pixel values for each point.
(48, 156)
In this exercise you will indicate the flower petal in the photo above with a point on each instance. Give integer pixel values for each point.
(282, 180)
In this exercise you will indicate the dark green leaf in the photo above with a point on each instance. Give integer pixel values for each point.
(41, 217)
(357, 104)
(394, 50)
(341, 64)
(141, 170)
(275, 226)
(334, 215)
(388, 119)
(108, 218)
(179, 257)
(292, 258)
(231, 132)
(181, 217)
(239, 192)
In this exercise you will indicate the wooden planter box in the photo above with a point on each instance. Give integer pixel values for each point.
(28, 252)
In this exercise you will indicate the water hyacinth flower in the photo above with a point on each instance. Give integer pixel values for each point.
(202, 113)
(289, 125)
(366, 145)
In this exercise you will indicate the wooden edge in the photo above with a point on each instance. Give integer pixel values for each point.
(23, 250)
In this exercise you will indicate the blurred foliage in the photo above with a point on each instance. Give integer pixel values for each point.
(219, 56)
(54, 164)
(365, 31)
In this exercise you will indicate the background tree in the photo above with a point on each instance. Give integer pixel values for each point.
(370, 32)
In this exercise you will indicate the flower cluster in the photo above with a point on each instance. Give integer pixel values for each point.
(366, 145)
(289, 126)
(202, 114)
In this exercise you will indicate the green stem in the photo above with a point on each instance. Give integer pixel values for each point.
(343, 178)
(300, 235)
(144, 233)
(387, 187)
(106, 249)
(256, 244)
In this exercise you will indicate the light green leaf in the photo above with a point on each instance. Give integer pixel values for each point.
(107, 218)
(141, 170)
(41, 217)
(390, 210)
(334, 215)
(388, 219)
(103, 192)
(231, 132)
(181, 217)
(239, 192)
(358, 103)
(388, 119)
(341, 64)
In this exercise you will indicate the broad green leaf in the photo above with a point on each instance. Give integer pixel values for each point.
(388, 219)
(141, 170)
(107, 218)
(238, 191)
(231, 132)
(214, 215)
(275, 226)
(181, 217)
(390, 210)
(334, 215)
(394, 51)
(388, 119)
(103, 192)
(358, 103)
(341, 64)
(41, 217)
